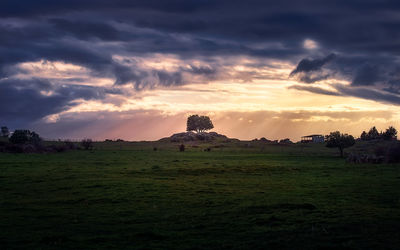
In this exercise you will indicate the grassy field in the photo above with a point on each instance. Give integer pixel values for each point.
(238, 196)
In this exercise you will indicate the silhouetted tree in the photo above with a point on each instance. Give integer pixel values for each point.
(340, 141)
(373, 134)
(21, 136)
(5, 132)
(35, 138)
(286, 141)
(390, 134)
(198, 123)
(364, 136)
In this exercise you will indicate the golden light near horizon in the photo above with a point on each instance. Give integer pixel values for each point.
(240, 85)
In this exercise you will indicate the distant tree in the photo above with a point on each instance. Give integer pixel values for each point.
(364, 136)
(373, 134)
(35, 138)
(340, 141)
(22, 136)
(5, 132)
(198, 123)
(87, 144)
(286, 141)
(390, 134)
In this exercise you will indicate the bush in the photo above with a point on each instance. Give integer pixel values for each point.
(87, 144)
(14, 148)
(286, 141)
(22, 136)
(181, 148)
(386, 153)
(393, 153)
(57, 148)
(380, 151)
(69, 144)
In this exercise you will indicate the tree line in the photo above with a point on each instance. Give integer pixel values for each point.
(24, 140)
(373, 134)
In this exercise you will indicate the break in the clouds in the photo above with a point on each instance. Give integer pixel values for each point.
(61, 58)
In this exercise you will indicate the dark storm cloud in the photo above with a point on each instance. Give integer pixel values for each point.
(310, 70)
(141, 79)
(25, 101)
(316, 90)
(363, 35)
(366, 75)
(370, 94)
(360, 92)
(86, 29)
(309, 65)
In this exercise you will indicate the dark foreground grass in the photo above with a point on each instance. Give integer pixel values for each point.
(128, 196)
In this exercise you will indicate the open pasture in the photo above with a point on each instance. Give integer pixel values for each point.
(237, 196)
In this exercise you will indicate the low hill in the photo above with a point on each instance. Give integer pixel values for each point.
(191, 136)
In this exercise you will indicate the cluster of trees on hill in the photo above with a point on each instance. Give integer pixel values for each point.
(384, 152)
(373, 134)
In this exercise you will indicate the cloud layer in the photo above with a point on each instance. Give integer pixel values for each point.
(59, 55)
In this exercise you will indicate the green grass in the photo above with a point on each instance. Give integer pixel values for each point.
(238, 196)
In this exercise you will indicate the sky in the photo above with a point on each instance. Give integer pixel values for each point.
(136, 70)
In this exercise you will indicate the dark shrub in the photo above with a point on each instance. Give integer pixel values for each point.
(200, 137)
(60, 148)
(154, 148)
(29, 148)
(87, 144)
(69, 144)
(207, 149)
(35, 139)
(286, 141)
(14, 148)
(56, 148)
(181, 148)
(3, 146)
(380, 151)
(22, 136)
(393, 153)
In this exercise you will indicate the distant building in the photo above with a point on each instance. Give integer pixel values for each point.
(313, 139)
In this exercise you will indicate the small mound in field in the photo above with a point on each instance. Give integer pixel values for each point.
(191, 136)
